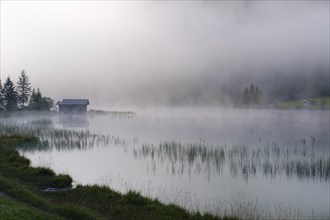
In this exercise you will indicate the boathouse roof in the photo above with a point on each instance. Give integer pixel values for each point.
(73, 102)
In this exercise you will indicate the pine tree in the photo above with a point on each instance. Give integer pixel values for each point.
(246, 96)
(9, 95)
(258, 95)
(23, 89)
(38, 95)
(252, 95)
(34, 99)
(37, 102)
(2, 103)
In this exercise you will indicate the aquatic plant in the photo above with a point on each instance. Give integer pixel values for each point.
(244, 161)
(61, 139)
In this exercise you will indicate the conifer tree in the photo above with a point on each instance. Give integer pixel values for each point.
(258, 95)
(34, 99)
(9, 95)
(246, 96)
(37, 102)
(252, 95)
(2, 103)
(23, 89)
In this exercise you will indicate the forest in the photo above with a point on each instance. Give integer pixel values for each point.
(21, 96)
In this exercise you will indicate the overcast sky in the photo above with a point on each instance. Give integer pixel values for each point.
(106, 51)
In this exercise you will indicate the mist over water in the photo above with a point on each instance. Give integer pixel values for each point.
(206, 159)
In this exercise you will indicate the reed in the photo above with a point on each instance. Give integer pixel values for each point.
(243, 161)
(269, 160)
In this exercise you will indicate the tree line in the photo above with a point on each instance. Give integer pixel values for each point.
(252, 95)
(22, 96)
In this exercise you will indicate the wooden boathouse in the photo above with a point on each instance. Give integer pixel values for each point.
(72, 106)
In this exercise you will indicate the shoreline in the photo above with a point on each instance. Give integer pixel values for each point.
(24, 194)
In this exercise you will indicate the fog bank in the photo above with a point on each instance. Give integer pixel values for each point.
(149, 53)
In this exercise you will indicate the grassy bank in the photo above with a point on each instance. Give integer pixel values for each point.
(126, 114)
(23, 194)
(320, 103)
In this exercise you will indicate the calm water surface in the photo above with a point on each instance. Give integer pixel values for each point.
(206, 159)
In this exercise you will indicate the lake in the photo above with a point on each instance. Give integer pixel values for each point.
(249, 162)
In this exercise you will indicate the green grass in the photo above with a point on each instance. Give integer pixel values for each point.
(10, 209)
(22, 195)
(94, 112)
(321, 103)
